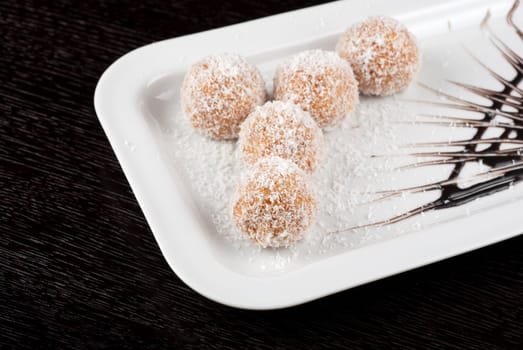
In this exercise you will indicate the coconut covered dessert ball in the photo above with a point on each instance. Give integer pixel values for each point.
(383, 54)
(281, 129)
(320, 82)
(219, 92)
(274, 204)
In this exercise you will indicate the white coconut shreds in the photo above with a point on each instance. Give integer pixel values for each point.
(320, 82)
(281, 129)
(274, 203)
(383, 54)
(219, 92)
(212, 171)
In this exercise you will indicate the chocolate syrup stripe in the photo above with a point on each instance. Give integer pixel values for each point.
(452, 195)
(505, 165)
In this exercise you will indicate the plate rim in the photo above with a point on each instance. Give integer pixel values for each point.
(200, 271)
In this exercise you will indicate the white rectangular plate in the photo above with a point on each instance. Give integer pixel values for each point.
(184, 182)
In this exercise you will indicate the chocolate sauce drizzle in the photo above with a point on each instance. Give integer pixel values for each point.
(505, 165)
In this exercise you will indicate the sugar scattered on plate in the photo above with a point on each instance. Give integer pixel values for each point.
(343, 181)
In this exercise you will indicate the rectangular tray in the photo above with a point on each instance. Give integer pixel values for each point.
(137, 102)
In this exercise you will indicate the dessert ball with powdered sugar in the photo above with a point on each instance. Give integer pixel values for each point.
(281, 129)
(274, 203)
(383, 54)
(320, 82)
(219, 92)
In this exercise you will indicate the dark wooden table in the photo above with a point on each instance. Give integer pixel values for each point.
(79, 267)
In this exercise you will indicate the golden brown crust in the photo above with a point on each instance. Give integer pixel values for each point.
(319, 82)
(274, 205)
(383, 54)
(281, 129)
(219, 92)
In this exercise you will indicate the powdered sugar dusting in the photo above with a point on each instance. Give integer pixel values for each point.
(383, 54)
(343, 179)
(281, 129)
(219, 92)
(320, 82)
(274, 203)
(313, 61)
(340, 181)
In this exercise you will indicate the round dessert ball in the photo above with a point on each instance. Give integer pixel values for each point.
(274, 204)
(383, 54)
(281, 129)
(320, 82)
(219, 92)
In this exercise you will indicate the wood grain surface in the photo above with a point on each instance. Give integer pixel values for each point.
(79, 267)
